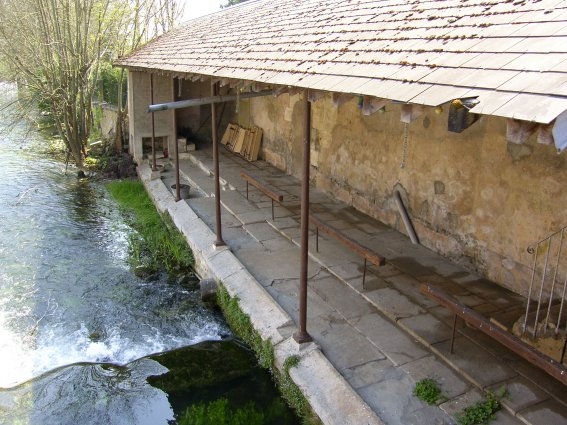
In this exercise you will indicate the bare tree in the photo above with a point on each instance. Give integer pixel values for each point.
(53, 48)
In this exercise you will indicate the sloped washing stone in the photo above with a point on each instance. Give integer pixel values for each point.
(394, 402)
(393, 304)
(431, 367)
(426, 328)
(549, 412)
(396, 345)
(477, 364)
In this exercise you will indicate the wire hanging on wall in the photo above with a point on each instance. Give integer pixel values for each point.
(405, 145)
(237, 109)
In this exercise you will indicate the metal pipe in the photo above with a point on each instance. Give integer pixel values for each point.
(560, 315)
(524, 326)
(552, 290)
(301, 336)
(154, 165)
(206, 100)
(219, 241)
(405, 218)
(543, 275)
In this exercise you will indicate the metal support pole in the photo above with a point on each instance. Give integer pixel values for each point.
(154, 165)
(451, 349)
(364, 274)
(301, 336)
(219, 241)
(177, 179)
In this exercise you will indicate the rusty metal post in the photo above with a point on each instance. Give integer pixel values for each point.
(301, 335)
(177, 179)
(219, 241)
(154, 165)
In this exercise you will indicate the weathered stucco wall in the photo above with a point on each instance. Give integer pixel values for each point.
(140, 123)
(472, 196)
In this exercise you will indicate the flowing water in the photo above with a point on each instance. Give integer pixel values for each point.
(78, 331)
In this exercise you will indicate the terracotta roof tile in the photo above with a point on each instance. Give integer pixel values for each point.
(426, 52)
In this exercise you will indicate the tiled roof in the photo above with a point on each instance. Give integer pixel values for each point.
(512, 54)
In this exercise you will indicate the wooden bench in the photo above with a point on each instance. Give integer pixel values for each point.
(478, 321)
(355, 246)
(264, 187)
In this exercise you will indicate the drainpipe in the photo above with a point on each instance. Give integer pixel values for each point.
(406, 219)
(301, 336)
(154, 166)
(219, 241)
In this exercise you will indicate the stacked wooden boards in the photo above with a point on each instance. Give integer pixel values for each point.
(245, 142)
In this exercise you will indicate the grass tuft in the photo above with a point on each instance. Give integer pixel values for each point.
(428, 390)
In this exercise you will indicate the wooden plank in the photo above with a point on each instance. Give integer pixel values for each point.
(529, 353)
(239, 140)
(361, 250)
(246, 144)
(257, 141)
(229, 133)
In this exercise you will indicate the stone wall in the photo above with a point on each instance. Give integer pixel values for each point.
(472, 196)
(140, 123)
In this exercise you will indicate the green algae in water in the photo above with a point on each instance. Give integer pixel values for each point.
(220, 382)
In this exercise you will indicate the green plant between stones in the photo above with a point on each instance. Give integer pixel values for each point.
(481, 413)
(428, 390)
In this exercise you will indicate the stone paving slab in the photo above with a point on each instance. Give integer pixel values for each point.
(426, 328)
(455, 407)
(520, 394)
(451, 384)
(397, 346)
(394, 390)
(548, 412)
(479, 366)
(337, 340)
(340, 297)
(393, 303)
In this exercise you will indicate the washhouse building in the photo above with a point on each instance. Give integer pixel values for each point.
(446, 120)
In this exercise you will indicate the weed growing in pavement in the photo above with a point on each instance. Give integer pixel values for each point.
(428, 390)
(481, 413)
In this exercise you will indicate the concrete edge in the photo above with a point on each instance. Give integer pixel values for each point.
(328, 393)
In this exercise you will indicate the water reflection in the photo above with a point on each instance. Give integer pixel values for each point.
(89, 394)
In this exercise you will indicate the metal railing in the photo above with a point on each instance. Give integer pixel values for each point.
(549, 283)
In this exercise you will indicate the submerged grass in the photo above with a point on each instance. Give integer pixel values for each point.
(157, 243)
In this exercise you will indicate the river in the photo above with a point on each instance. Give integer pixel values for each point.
(83, 340)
